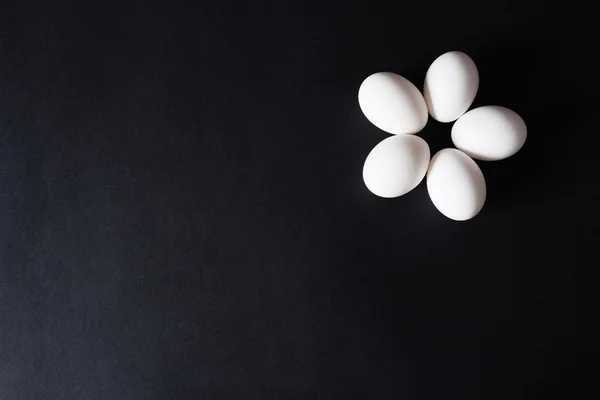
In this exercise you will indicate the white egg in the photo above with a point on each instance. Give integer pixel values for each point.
(392, 103)
(396, 165)
(489, 133)
(455, 184)
(451, 84)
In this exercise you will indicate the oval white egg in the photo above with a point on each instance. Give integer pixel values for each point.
(489, 133)
(392, 103)
(396, 165)
(451, 84)
(456, 185)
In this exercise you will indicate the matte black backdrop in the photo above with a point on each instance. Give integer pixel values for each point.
(182, 212)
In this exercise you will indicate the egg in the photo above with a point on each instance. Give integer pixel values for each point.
(392, 103)
(451, 84)
(489, 133)
(396, 165)
(456, 185)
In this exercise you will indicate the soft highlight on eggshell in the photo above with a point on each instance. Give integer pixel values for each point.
(451, 84)
(456, 185)
(392, 103)
(489, 133)
(396, 165)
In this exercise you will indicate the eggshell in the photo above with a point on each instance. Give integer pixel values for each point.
(396, 165)
(456, 185)
(489, 133)
(392, 103)
(451, 84)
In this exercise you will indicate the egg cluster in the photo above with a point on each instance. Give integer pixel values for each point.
(399, 163)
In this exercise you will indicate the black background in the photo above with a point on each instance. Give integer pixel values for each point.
(182, 212)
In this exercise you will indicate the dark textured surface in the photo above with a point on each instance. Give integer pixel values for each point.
(182, 212)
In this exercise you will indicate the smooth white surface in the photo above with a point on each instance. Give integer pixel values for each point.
(489, 133)
(455, 184)
(396, 165)
(450, 86)
(392, 103)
